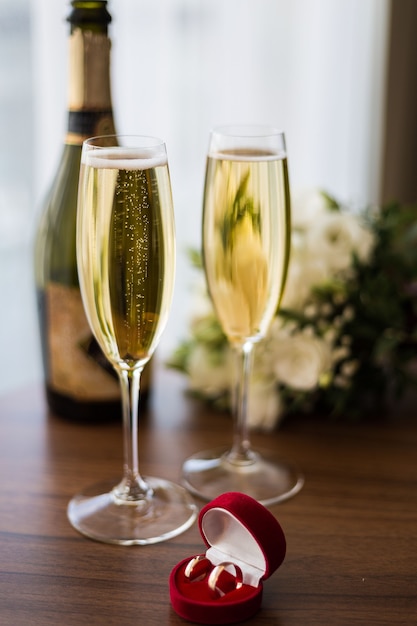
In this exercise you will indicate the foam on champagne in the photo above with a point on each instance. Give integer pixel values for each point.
(124, 159)
(247, 154)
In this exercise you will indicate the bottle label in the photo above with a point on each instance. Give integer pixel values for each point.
(71, 370)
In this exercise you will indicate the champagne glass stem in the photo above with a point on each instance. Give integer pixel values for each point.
(241, 452)
(132, 487)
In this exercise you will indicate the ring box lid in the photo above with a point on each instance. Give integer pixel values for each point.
(237, 528)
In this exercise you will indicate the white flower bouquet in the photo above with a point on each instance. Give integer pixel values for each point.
(345, 337)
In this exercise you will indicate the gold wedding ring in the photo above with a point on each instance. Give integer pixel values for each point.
(222, 581)
(197, 568)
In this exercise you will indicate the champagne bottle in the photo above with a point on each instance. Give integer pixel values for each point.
(80, 384)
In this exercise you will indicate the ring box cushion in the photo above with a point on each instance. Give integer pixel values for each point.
(238, 529)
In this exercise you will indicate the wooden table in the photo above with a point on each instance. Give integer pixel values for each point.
(351, 531)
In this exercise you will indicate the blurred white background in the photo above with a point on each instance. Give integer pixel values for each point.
(315, 68)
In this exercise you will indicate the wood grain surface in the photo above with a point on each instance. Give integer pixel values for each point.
(351, 531)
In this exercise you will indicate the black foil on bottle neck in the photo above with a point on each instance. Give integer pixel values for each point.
(85, 122)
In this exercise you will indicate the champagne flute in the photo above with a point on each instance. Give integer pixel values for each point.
(126, 266)
(246, 249)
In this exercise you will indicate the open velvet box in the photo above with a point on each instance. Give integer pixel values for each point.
(244, 536)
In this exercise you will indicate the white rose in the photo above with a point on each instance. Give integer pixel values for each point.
(335, 236)
(207, 374)
(307, 206)
(303, 274)
(264, 405)
(301, 360)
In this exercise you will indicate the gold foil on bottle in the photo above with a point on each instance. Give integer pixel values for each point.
(89, 80)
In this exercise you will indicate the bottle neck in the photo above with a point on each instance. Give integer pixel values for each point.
(89, 99)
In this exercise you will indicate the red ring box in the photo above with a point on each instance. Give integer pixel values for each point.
(238, 529)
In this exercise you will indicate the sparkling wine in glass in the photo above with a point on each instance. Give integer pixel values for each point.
(126, 266)
(246, 250)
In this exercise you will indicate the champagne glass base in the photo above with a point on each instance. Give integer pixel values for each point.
(98, 514)
(267, 478)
